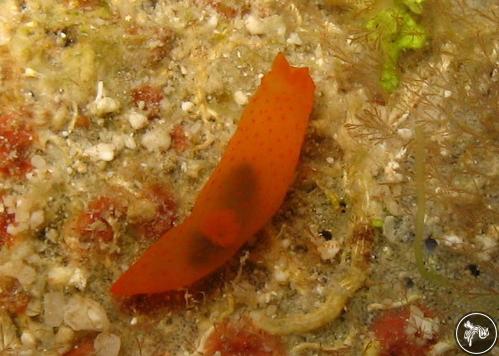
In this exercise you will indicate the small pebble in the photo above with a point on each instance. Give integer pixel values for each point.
(343, 206)
(326, 235)
(430, 244)
(474, 270)
(408, 282)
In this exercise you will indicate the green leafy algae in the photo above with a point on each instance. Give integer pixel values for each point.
(396, 30)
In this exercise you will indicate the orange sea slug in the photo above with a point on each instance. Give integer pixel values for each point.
(243, 193)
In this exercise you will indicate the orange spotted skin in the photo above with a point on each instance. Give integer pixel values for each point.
(243, 193)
